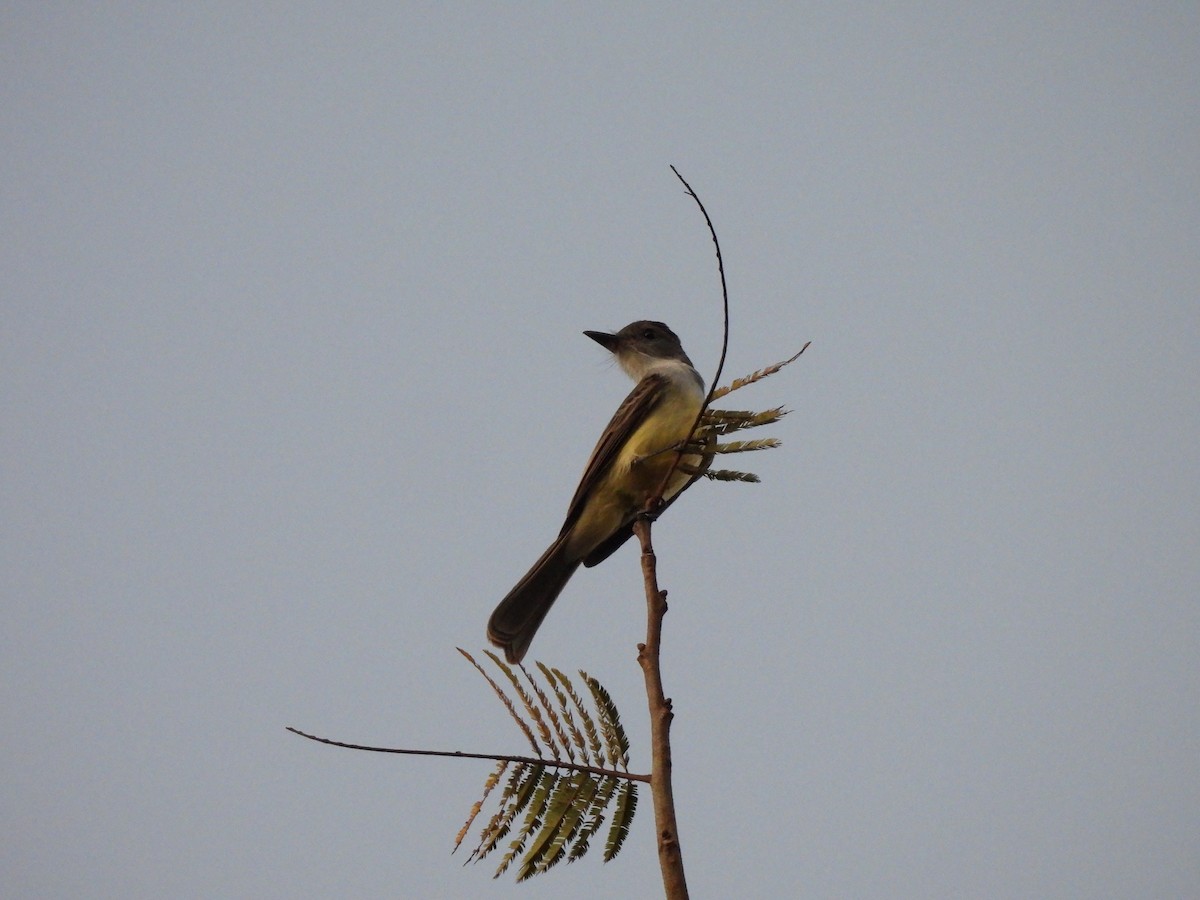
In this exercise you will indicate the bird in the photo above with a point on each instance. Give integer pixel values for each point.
(626, 469)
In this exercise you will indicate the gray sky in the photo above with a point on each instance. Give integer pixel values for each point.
(294, 390)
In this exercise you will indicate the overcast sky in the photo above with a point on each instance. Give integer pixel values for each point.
(294, 390)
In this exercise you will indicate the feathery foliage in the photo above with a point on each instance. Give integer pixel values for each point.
(731, 475)
(554, 806)
(756, 376)
(716, 423)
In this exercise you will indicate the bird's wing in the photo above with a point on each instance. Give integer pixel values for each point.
(642, 400)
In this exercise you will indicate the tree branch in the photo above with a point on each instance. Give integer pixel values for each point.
(670, 857)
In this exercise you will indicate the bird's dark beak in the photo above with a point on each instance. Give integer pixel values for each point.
(604, 339)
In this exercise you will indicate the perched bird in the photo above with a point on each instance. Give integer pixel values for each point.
(627, 467)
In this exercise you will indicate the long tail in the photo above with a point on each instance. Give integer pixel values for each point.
(519, 615)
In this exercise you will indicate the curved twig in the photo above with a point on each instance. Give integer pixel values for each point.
(656, 500)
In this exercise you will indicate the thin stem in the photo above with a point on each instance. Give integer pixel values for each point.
(497, 757)
(724, 293)
(656, 500)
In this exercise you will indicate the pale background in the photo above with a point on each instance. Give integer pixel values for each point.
(294, 390)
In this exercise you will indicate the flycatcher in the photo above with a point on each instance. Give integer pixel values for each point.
(626, 468)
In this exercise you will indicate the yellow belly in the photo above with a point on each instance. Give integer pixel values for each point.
(637, 473)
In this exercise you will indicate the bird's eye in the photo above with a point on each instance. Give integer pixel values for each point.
(649, 334)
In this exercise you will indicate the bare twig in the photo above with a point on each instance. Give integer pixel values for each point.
(656, 501)
(670, 856)
(724, 290)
